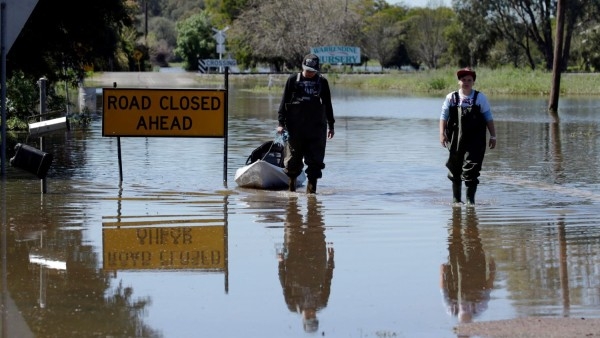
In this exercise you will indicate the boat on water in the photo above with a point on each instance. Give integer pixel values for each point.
(264, 175)
(264, 169)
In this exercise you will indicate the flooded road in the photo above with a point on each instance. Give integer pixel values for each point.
(176, 250)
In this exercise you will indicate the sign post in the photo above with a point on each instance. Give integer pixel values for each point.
(166, 113)
(220, 37)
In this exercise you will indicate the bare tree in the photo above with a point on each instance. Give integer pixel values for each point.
(285, 30)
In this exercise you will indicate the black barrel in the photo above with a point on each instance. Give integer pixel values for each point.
(32, 160)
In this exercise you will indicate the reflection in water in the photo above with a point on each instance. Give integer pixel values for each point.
(556, 154)
(542, 204)
(467, 279)
(305, 263)
(563, 270)
(49, 274)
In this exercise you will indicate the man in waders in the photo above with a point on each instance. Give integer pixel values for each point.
(465, 116)
(307, 114)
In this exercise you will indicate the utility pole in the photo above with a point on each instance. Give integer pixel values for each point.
(557, 62)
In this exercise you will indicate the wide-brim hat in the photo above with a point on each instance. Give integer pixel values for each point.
(464, 72)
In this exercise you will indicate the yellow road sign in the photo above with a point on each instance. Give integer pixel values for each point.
(163, 112)
(174, 248)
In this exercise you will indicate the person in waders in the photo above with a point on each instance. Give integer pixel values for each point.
(465, 116)
(307, 114)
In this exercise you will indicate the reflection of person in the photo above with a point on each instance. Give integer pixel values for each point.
(306, 264)
(306, 112)
(465, 115)
(467, 279)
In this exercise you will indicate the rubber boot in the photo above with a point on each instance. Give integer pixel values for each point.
(311, 187)
(456, 192)
(292, 184)
(471, 194)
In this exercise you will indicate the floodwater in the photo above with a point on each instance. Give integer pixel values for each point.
(178, 250)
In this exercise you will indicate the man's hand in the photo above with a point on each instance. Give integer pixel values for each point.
(444, 140)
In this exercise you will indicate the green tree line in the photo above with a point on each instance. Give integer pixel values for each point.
(140, 35)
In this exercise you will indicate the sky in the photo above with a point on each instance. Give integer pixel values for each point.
(418, 3)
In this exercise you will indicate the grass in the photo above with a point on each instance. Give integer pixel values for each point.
(498, 82)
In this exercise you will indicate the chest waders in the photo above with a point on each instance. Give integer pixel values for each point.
(466, 132)
(306, 123)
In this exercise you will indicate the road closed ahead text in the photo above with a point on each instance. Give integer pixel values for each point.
(156, 112)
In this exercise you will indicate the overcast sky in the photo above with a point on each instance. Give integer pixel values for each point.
(419, 3)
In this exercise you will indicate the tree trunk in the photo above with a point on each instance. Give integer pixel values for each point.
(557, 63)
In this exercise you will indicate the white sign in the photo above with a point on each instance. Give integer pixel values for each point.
(337, 54)
(49, 126)
(219, 62)
(220, 34)
(220, 37)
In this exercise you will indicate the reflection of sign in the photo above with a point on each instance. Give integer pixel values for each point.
(337, 54)
(220, 62)
(163, 112)
(137, 248)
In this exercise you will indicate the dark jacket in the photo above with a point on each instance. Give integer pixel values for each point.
(306, 102)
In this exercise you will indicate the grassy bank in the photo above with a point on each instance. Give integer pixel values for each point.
(497, 82)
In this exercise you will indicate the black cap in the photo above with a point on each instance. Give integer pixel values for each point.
(311, 63)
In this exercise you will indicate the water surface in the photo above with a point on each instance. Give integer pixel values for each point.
(178, 250)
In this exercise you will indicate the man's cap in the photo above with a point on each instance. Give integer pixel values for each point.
(311, 63)
(464, 72)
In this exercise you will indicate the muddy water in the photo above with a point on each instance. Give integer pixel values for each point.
(178, 250)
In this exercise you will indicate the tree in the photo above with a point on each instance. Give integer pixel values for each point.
(161, 41)
(427, 42)
(580, 16)
(53, 39)
(468, 46)
(528, 24)
(195, 40)
(224, 12)
(282, 32)
(178, 10)
(385, 35)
